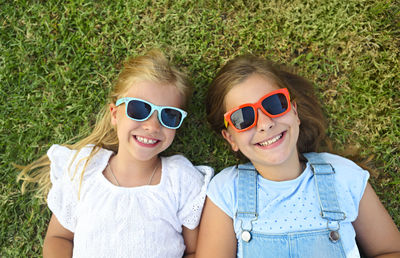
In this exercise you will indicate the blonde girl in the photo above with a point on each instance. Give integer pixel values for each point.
(111, 193)
(289, 200)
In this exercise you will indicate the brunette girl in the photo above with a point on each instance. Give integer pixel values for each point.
(289, 200)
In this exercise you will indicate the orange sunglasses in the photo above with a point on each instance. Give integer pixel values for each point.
(244, 117)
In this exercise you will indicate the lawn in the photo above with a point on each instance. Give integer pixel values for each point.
(58, 60)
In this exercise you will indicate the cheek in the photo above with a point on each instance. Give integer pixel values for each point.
(290, 118)
(118, 117)
(298, 120)
(124, 124)
(169, 135)
(295, 125)
(243, 138)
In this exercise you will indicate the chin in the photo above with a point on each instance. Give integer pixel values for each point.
(277, 158)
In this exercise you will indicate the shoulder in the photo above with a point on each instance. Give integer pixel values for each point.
(341, 165)
(350, 179)
(66, 161)
(177, 162)
(179, 165)
(182, 178)
(188, 185)
(347, 172)
(222, 190)
(57, 151)
(226, 178)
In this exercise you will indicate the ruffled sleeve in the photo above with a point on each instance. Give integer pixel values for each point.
(193, 188)
(63, 196)
(66, 168)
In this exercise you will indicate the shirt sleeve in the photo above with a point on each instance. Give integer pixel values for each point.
(222, 189)
(193, 188)
(351, 183)
(62, 198)
(356, 182)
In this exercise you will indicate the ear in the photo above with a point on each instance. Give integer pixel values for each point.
(228, 137)
(113, 112)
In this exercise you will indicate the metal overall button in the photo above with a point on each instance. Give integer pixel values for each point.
(246, 236)
(334, 236)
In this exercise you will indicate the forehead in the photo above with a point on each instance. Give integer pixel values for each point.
(161, 94)
(249, 91)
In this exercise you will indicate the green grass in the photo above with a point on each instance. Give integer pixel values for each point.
(58, 60)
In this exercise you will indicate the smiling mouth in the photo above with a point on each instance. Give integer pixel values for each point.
(145, 140)
(272, 140)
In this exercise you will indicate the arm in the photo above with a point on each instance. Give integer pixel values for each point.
(217, 237)
(376, 232)
(58, 241)
(190, 239)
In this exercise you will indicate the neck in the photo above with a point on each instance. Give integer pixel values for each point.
(134, 172)
(288, 170)
(127, 166)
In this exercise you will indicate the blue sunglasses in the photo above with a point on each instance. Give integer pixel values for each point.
(141, 110)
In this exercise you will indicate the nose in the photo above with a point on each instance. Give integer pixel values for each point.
(264, 122)
(152, 124)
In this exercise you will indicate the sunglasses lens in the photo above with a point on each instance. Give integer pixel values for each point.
(171, 117)
(138, 109)
(275, 104)
(243, 118)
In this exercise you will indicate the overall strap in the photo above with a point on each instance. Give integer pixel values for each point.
(247, 198)
(324, 178)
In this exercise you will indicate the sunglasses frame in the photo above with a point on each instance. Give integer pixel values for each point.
(255, 107)
(126, 101)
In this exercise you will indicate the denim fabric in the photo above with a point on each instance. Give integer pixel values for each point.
(305, 244)
(308, 243)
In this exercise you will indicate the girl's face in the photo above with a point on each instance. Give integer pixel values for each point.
(144, 140)
(272, 141)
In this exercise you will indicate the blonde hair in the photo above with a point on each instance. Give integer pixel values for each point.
(153, 66)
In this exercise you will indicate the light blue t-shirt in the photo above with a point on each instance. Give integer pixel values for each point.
(291, 206)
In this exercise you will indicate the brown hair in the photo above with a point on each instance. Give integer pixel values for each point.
(312, 127)
(153, 66)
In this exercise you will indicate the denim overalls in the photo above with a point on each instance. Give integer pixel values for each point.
(312, 243)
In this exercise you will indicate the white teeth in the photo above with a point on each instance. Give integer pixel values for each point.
(145, 140)
(271, 141)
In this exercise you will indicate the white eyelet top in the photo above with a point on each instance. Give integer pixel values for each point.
(113, 221)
